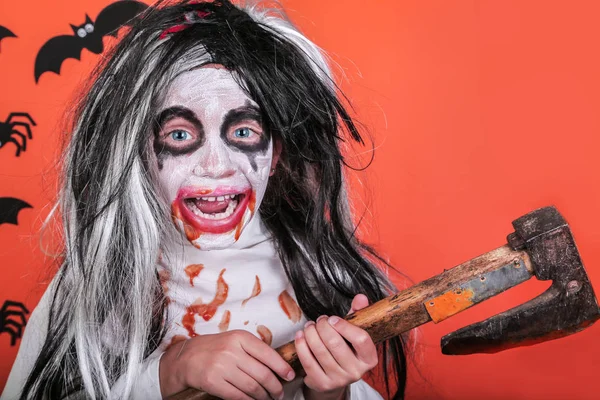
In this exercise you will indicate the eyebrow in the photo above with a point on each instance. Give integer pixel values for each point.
(177, 112)
(244, 113)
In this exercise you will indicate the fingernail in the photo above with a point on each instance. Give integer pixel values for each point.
(309, 323)
(333, 320)
(290, 376)
(321, 317)
(280, 397)
(299, 335)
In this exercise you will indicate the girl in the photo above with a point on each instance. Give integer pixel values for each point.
(206, 222)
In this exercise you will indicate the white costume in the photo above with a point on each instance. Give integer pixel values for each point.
(270, 314)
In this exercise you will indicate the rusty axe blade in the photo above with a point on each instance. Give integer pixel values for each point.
(567, 307)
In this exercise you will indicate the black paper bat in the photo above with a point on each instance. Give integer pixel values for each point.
(10, 208)
(4, 33)
(87, 36)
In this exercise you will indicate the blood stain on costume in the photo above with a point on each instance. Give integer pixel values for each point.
(289, 306)
(246, 322)
(192, 271)
(265, 334)
(207, 311)
(191, 233)
(176, 339)
(255, 291)
(224, 325)
(189, 320)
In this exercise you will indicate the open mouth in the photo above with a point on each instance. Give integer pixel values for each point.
(214, 207)
(220, 212)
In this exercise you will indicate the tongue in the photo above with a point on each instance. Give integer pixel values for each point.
(211, 207)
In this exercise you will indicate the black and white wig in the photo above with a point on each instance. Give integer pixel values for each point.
(107, 309)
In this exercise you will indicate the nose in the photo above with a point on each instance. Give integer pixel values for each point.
(214, 162)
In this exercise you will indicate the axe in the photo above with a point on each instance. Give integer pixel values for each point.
(541, 245)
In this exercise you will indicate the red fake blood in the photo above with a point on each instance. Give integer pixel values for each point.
(191, 233)
(251, 206)
(255, 291)
(246, 322)
(224, 324)
(252, 203)
(207, 311)
(192, 271)
(265, 334)
(289, 306)
(188, 321)
(176, 339)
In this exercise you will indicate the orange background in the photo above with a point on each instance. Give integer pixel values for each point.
(481, 111)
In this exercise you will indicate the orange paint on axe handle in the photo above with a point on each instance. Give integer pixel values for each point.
(255, 291)
(265, 334)
(289, 306)
(224, 324)
(192, 271)
(449, 303)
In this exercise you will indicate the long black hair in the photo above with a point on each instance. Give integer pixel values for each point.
(108, 200)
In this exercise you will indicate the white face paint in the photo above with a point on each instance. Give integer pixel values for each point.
(213, 156)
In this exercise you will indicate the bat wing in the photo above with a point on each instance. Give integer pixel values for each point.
(54, 52)
(9, 209)
(117, 14)
(5, 32)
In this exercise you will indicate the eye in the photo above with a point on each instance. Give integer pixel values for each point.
(81, 33)
(243, 133)
(89, 28)
(180, 135)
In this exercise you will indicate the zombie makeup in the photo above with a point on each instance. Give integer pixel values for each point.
(213, 156)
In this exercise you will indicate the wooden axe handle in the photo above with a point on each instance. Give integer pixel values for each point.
(435, 299)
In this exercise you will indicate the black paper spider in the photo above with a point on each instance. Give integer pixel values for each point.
(15, 326)
(8, 129)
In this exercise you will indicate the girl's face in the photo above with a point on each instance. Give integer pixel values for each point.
(213, 156)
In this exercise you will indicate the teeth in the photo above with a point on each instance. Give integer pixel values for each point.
(220, 198)
(225, 214)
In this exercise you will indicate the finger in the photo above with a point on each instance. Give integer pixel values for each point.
(336, 345)
(268, 356)
(359, 302)
(311, 366)
(245, 383)
(263, 375)
(320, 351)
(359, 339)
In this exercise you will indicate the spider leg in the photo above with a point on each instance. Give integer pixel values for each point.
(10, 303)
(24, 144)
(18, 327)
(21, 114)
(12, 333)
(24, 125)
(16, 313)
(18, 145)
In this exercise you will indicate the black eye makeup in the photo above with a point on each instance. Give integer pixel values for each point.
(242, 129)
(177, 131)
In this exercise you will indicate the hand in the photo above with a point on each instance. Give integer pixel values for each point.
(329, 362)
(231, 365)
